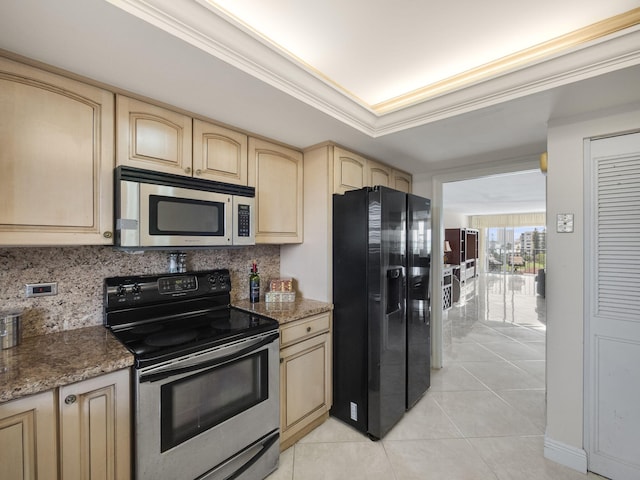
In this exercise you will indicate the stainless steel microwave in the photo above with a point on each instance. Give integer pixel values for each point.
(163, 211)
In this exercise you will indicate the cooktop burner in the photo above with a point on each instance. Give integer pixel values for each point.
(159, 317)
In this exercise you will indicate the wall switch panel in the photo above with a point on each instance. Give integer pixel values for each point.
(41, 289)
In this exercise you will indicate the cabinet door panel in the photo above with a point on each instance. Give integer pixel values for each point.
(153, 137)
(219, 153)
(94, 428)
(305, 381)
(276, 173)
(56, 160)
(379, 175)
(349, 171)
(402, 181)
(28, 438)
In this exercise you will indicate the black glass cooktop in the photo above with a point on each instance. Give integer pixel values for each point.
(165, 338)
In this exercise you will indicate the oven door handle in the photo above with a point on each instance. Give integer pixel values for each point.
(170, 372)
(264, 449)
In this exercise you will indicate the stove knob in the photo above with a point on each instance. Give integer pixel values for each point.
(121, 291)
(136, 289)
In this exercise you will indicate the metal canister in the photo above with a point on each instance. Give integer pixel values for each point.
(173, 262)
(10, 329)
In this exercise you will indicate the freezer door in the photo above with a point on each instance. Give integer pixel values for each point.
(418, 298)
(350, 319)
(387, 309)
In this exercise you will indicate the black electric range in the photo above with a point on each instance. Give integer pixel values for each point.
(160, 317)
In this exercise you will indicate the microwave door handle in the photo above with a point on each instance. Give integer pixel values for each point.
(170, 372)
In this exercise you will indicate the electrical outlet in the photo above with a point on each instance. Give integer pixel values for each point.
(354, 412)
(41, 289)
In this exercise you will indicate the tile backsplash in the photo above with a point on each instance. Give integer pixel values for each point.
(80, 271)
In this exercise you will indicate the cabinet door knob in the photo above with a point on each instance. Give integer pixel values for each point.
(70, 399)
(187, 170)
(107, 234)
(198, 172)
(308, 329)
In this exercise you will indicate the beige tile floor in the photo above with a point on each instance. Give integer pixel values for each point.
(483, 417)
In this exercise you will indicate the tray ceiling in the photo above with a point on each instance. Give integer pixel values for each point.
(383, 52)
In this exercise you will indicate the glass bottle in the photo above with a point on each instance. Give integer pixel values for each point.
(254, 284)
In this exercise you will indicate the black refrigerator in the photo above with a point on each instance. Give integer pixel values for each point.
(381, 297)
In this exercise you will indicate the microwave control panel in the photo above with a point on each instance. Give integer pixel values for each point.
(244, 220)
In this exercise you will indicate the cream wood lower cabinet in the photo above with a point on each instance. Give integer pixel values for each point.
(28, 438)
(305, 376)
(95, 428)
(92, 441)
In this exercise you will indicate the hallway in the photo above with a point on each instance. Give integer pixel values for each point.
(483, 417)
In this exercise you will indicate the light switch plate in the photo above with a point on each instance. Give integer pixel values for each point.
(564, 223)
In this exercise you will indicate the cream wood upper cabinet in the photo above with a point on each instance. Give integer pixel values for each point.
(305, 376)
(28, 438)
(276, 172)
(219, 153)
(95, 428)
(349, 171)
(402, 181)
(56, 159)
(378, 174)
(153, 137)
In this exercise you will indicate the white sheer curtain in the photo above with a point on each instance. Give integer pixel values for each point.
(508, 220)
(482, 222)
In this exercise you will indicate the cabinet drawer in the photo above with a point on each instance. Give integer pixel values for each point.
(305, 328)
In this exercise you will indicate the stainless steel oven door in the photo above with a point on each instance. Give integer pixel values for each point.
(212, 411)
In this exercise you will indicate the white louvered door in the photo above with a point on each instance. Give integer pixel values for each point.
(612, 434)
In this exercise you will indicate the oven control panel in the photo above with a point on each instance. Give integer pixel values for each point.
(122, 292)
(182, 283)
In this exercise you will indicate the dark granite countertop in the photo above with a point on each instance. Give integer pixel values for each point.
(285, 312)
(44, 362)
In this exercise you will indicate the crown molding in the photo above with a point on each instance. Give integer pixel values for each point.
(201, 26)
(602, 48)
(520, 59)
(602, 56)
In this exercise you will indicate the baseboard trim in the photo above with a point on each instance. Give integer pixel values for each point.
(567, 455)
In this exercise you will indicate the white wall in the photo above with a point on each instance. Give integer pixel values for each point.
(565, 285)
(451, 219)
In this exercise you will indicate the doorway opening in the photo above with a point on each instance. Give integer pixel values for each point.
(493, 335)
